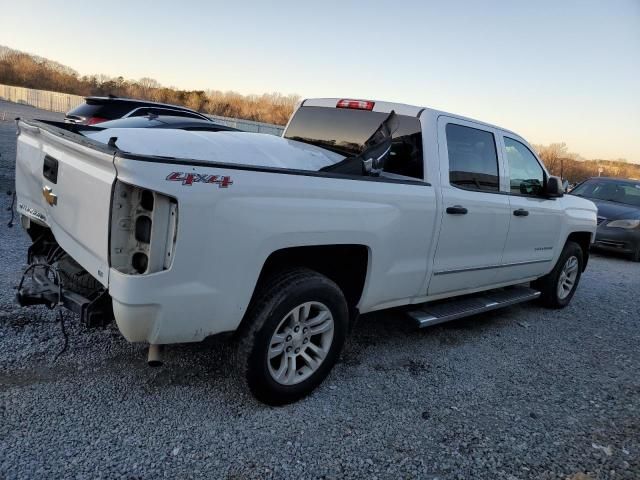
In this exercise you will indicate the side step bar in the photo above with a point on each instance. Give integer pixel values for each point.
(458, 307)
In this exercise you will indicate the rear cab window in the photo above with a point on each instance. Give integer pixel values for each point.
(344, 131)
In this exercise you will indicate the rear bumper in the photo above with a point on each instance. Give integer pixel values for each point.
(156, 308)
(150, 309)
(617, 239)
(171, 306)
(94, 310)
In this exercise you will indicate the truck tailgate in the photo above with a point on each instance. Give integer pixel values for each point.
(67, 185)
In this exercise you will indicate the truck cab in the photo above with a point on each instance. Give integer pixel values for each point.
(498, 223)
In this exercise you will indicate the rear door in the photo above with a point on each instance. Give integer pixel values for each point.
(536, 221)
(67, 186)
(475, 217)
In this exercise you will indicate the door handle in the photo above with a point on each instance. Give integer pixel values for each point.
(457, 210)
(521, 212)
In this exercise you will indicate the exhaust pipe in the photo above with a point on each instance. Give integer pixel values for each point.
(154, 357)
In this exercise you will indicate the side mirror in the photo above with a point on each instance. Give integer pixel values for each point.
(554, 188)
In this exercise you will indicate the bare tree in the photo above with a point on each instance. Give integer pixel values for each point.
(552, 154)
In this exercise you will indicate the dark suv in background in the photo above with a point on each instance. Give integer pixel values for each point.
(618, 202)
(100, 109)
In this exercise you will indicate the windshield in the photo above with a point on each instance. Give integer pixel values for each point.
(619, 191)
(345, 131)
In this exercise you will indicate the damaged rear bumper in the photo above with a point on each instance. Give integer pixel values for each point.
(94, 312)
(43, 283)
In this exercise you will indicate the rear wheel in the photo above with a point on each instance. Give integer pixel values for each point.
(558, 287)
(292, 336)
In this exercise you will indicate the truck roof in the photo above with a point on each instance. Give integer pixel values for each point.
(399, 108)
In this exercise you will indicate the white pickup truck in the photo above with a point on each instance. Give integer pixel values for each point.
(359, 206)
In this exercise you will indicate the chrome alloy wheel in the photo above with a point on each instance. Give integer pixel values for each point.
(300, 343)
(567, 278)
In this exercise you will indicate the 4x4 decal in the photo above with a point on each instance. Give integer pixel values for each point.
(191, 178)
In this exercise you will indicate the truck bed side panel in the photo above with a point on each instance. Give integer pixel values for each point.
(226, 234)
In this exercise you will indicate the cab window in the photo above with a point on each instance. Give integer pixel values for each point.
(345, 131)
(473, 161)
(526, 176)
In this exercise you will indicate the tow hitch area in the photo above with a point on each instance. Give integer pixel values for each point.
(53, 278)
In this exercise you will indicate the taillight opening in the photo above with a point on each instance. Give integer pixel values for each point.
(146, 200)
(140, 262)
(355, 104)
(143, 230)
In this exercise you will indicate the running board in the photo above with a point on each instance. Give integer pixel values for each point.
(458, 307)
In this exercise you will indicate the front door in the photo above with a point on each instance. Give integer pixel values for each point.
(475, 213)
(536, 220)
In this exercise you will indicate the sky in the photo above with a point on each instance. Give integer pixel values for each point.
(553, 71)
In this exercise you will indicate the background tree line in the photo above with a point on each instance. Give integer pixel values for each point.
(559, 161)
(30, 71)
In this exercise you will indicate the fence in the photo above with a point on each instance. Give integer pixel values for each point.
(52, 101)
(63, 102)
(249, 125)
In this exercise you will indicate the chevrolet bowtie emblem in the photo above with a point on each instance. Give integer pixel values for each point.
(49, 196)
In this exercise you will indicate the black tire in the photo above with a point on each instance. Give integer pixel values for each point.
(548, 285)
(274, 299)
(635, 256)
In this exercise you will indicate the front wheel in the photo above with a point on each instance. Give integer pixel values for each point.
(292, 336)
(558, 287)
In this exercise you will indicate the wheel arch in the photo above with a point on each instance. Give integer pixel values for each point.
(584, 240)
(345, 264)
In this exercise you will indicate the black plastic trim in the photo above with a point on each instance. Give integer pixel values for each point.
(502, 192)
(63, 130)
(253, 168)
(50, 169)
(489, 267)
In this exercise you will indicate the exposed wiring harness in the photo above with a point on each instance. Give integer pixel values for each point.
(13, 201)
(64, 335)
(54, 271)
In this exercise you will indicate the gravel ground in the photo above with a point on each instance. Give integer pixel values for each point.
(514, 394)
